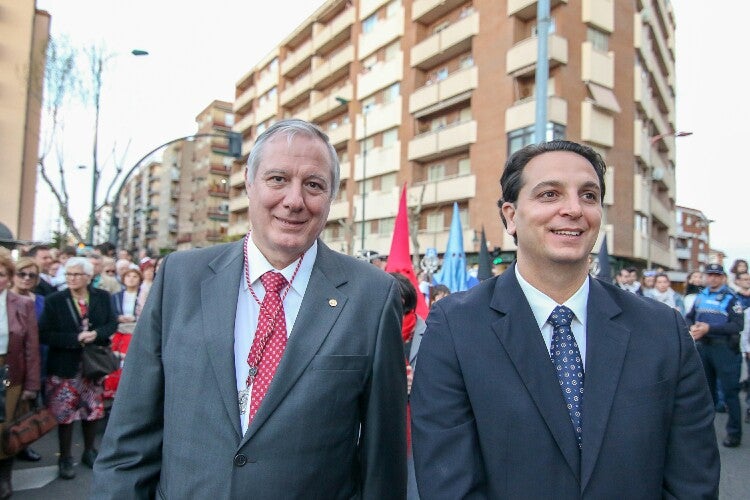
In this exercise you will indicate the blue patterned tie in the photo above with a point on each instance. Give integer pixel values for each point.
(567, 360)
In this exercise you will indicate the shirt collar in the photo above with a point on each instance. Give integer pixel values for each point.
(259, 265)
(542, 305)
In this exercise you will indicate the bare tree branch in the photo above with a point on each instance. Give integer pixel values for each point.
(62, 204)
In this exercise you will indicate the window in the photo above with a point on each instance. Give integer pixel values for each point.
(435, 222)
(228, 119)
(464, 166)
(440, 27)
(385, 226)
(463, 215)
(599, 39)
(369, 24)
(466, 62)
(393, 50)
(435, 172)
(464, 115)
(367, 104)
(535, 27)
(441, 74)
(368, 63)
(391, 93)
(390, 137)
(524, 136)
(438, 123)
(388, 182)
(367, 144)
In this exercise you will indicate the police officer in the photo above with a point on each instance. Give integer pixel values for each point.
(716, 320)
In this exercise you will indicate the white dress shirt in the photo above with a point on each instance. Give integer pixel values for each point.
(246, 318)
(542, 306)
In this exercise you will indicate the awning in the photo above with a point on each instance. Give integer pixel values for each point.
(604, 97)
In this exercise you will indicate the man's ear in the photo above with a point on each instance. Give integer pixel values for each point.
(509, 212)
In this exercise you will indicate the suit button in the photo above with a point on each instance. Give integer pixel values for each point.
(240, 460)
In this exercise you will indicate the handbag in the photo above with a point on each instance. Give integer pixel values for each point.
(26, 429)
(98, 361)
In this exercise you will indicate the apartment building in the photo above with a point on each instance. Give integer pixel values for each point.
(24, 31)
(692, 242)
(435, 94)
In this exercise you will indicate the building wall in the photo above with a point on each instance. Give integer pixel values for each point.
(24, 32)
(448, 89)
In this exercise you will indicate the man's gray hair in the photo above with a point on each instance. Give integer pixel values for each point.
(81, 262)
(291, 127)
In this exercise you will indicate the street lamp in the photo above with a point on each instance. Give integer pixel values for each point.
(651, 176)
(365, 110)
(96, 172)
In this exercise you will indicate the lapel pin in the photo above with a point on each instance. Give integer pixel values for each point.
(332, 302)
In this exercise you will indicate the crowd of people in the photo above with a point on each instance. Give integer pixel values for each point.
(274, 366)
(56, 301)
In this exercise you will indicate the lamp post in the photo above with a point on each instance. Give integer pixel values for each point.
(95, 170)
(651, 176)
(365, 110)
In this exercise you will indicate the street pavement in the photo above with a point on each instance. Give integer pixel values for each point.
(39, 480)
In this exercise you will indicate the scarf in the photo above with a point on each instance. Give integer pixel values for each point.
(664, 297)
(408, 326)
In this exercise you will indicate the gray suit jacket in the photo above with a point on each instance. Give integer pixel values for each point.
(489, 419)
(332, 424)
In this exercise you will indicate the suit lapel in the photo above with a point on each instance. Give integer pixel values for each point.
(519, 334)
(219, 308)
(320, 308)
(606, 346)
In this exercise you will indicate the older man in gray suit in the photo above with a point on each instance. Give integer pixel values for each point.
(238, 388)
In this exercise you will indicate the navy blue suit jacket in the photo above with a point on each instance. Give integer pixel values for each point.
(489, 419)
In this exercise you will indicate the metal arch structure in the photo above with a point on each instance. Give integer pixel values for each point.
(235, 145)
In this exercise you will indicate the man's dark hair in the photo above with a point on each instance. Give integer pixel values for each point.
(633, 269)
(511, 181)
(36, 249)
(408, 292)
(69, 251)
(106, 248)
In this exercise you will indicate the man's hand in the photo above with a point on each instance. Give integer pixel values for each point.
(698, 330)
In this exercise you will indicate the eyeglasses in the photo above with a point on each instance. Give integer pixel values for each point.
(75, 275)
(25, 275)
(3, 275)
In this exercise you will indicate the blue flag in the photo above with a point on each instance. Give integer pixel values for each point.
(453, 273)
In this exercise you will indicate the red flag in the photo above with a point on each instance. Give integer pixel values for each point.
(399, 258)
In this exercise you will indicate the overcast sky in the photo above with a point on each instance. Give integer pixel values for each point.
(198, 50)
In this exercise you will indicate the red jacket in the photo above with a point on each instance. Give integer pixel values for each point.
(22, 357)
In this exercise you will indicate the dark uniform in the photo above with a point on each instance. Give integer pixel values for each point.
(719, 349)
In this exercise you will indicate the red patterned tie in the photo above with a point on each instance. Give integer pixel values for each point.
(270, 355)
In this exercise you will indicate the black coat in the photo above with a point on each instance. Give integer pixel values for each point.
(60, 323)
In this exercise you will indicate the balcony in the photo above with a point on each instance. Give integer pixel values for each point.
(214, 235)
(449, 140)
(217, 168)
(327, 106)
(218, 192)
(345, 170)
(327, 71)
(599, 13)
(378, 204)
(339, 210)
(380, 76)
(297, 92)
(217, 214)
(265, 82)
(597, 127)
(367, 7)
(522, 113)
(380, 118)
(521, 60)
(185, 238)
(239, 203)
(597, 66)
(340, 134)
(332, 34)
(237, 178)
(244, 102)
(384, 32)
(379, 161)
(247, 145)
(446, 44)
(266, 110)
(443, 191)
(244, 123)
(526, 9)
(296, 62)
(663, 214)
(438, 95)
(428, 11)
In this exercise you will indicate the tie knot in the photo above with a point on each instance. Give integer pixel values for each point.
(561, 316)
(273, 282)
